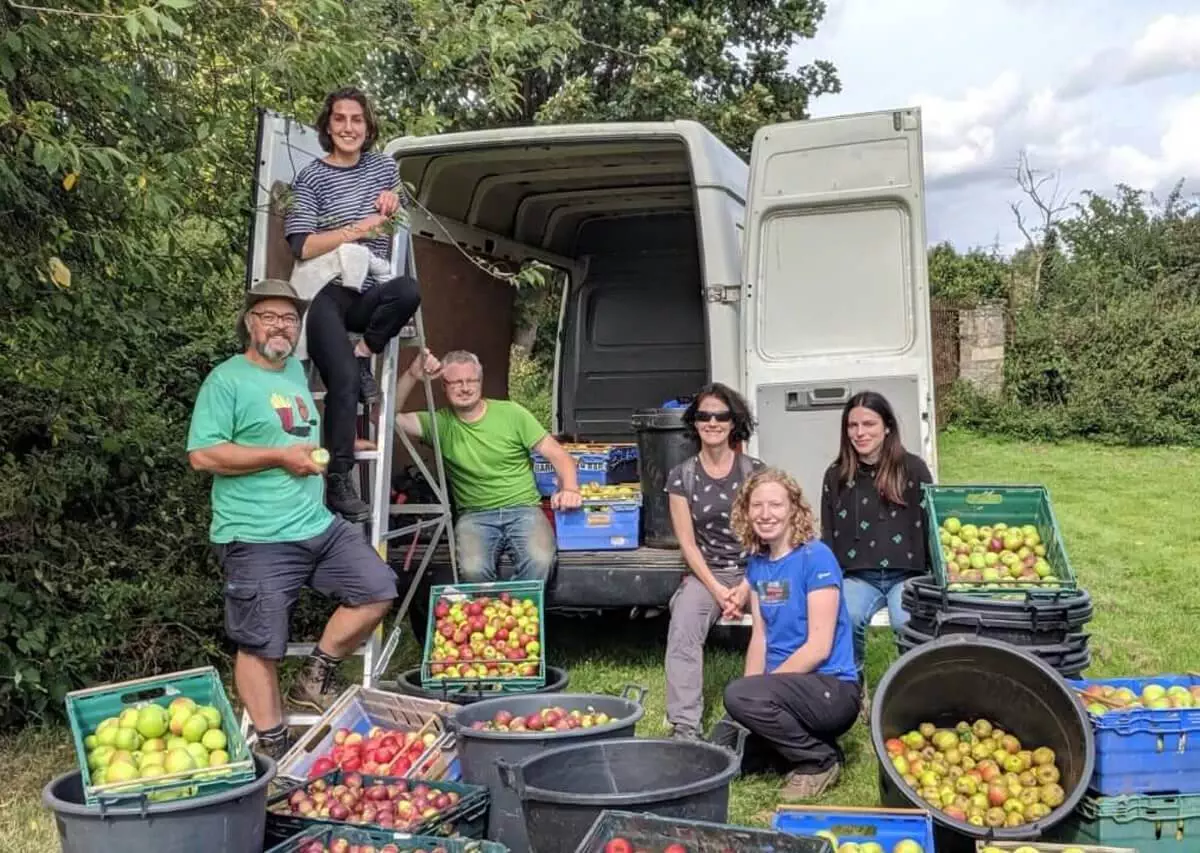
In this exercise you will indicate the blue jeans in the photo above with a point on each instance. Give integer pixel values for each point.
(524, 531)
(867, 591)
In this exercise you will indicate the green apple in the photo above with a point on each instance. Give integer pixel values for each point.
(214, 739)
(152, 721)
(179, 760)
(199, 754)
(128, 718)
(120, 772)
(211, 714)
(194, 728)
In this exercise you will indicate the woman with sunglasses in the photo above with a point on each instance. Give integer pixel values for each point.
(702, 490)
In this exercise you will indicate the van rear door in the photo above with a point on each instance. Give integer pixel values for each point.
(835, 290)
(284, 147)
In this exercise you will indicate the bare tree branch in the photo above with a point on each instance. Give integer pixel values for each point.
(1049, 205)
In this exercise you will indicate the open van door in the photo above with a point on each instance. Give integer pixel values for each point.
(836, 295)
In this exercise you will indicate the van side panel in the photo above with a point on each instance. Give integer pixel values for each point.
(634, 331)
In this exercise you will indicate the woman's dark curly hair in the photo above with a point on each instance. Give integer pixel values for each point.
(743, 423)
(347, 93)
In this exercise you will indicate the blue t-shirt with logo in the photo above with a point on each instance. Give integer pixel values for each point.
(782, 587)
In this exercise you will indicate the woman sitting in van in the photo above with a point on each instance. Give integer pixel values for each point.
(702, 490)
(800, 690)
(872, 516)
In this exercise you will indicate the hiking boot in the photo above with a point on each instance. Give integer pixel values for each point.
(274, 747)
(680, 731)
(802, 786)
(368, 388)
(313, 688)
(342, 499)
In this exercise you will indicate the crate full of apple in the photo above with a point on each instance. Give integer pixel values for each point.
(1001, 540)
(327, 839)
(1044, 847)
(161, 738)
(978, 773)
(378, 733)
(412, 806)
(859, 830)
(1147, 733)
(486, 633)
(617, 831)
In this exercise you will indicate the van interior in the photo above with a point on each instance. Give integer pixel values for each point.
(619, 216)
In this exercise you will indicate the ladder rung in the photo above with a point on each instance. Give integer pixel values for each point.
(300, 718)
(300, 650)
(419, 509)
(366, 455)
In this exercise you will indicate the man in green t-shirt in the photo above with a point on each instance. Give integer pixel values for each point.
(252, 428)
(487, 445)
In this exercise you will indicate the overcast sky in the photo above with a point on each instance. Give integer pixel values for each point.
(1103, 91)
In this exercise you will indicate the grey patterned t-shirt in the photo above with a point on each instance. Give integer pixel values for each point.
(711, 500)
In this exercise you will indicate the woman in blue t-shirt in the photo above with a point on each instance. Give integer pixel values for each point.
(800, 689)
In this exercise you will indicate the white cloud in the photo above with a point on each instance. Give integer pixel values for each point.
(1178, 154)
(1168, 46)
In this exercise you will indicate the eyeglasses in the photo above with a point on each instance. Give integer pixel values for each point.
(720, 417)
(461, 383)
(270, 318)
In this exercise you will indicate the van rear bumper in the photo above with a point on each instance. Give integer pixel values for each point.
(645, 577)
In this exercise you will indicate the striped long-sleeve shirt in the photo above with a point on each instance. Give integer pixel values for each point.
(325, 197)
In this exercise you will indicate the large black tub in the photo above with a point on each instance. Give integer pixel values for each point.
(563, 790)
(966, 678)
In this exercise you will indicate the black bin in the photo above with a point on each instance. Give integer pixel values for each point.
(664, 441)
(960, 677)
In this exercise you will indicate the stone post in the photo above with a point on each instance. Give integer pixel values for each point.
(981, 335)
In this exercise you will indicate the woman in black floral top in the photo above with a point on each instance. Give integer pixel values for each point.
(872, 515)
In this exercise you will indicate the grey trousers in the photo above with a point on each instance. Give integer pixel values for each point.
(693, 613)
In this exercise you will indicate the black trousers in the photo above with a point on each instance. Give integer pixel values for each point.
(797, 717)
(378, 315)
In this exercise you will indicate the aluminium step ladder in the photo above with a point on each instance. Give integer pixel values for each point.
(375, 469)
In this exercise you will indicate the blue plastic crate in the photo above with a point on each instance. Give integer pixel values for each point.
(886, 827)
(599, 525)
(602, 464)
(401, 841)
(655, 832)
(1144, 750)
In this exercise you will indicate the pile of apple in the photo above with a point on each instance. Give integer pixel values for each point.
(396, 805)
(994, 555)
(1028, 848)
(906, 845)
(485, 637)
(383, 752)
(622, 845)
(148, 741)
(341, 845)
(553, 718)
(978, 773)
(1100, 699)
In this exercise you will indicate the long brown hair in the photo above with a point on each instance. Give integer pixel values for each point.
(893, 472)
(803, 523)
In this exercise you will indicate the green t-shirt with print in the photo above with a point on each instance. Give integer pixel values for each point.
(243, 403)
(489, 461)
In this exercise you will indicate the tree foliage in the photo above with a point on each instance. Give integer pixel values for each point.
(126, 154)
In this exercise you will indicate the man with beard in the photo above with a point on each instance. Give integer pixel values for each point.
(253, 428)
(487, 444)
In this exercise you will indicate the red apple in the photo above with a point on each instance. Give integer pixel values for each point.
(618, 845)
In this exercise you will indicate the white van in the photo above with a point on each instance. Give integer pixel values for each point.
(798, 280)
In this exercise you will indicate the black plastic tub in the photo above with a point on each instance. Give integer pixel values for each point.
(922, 595)
(563, 790)
(232, 821)
(478, 751)
(1069, 658)
(967, 678)
(409, 683)
(664, 441)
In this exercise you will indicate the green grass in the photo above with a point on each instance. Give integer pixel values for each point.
(1132, 532)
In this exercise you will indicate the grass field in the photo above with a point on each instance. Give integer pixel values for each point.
(1130, 521)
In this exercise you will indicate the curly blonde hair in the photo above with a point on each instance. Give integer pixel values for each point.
(803, 523)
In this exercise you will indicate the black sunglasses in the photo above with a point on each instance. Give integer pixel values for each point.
(720, 417)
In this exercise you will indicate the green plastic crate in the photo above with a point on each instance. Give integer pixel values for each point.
(990, 504)
(379, 838)
(534, 591)
(86, 709)
(1149, 824)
